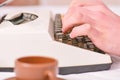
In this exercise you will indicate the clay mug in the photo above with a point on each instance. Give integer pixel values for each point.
(36, 68)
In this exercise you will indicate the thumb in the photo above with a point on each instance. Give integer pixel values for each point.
(80, 30)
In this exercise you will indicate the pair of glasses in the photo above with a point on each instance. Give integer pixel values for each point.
(4, 2)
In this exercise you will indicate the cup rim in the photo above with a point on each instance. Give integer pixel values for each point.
(53, 61)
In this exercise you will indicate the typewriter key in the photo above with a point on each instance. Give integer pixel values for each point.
(58, 36)
(87, 39)
(74, 42)
(80, 44)
(90, 46)
(80, 39)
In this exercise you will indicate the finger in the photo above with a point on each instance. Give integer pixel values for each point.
(73, 20)
(80, 16)
(80, 30)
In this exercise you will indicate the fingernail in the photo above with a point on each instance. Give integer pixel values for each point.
(71, 36)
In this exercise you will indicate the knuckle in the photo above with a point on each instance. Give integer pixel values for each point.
(100, 15)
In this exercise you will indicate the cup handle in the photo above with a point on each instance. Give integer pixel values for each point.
(50, 76)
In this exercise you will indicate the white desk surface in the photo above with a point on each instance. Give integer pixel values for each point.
(112, 74)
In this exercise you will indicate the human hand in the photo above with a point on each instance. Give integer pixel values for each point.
(94, 19)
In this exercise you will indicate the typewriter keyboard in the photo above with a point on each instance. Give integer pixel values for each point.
(81, 41)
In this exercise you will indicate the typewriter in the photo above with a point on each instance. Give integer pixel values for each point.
(27, 33)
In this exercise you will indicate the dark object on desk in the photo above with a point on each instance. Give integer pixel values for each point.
(22, 18)
(2, 18)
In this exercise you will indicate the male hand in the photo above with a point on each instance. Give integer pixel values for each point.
(94, 19)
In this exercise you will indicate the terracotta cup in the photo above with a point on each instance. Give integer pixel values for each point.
(36, 68)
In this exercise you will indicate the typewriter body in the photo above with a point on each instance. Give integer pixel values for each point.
(27, 33)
